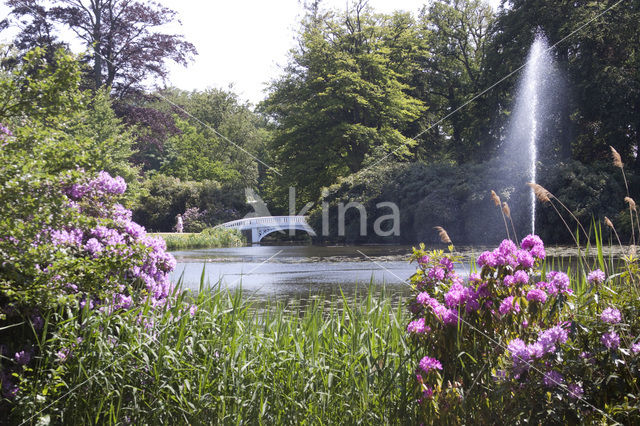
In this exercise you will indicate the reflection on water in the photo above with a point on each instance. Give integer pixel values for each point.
(306, 270)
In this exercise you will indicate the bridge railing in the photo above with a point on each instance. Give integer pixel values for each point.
(266, 220)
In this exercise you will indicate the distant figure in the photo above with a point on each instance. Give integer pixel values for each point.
(179, 224)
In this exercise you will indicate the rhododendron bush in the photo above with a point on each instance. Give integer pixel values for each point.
(66, 243)
(515, 342)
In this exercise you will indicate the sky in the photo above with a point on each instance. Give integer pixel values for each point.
(243, 44)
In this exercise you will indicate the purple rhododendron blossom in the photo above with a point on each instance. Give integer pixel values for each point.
(534, 245)
(508, 306)
(596, 277)
(552, 379)
(575, 391)
(22, 357)
(611, 316)
(521, 277)
(635, 348)
(611, 340)
(509, 280)
(536, 295)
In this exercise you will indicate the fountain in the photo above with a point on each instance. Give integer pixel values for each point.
(533, 107)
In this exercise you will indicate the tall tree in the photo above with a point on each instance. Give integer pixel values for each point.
(452, 40)
(342, 102)
(124, 37)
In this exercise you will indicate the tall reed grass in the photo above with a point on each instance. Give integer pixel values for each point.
(209, 238)
(228, 361)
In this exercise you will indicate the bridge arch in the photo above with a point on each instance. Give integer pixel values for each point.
(260, 227)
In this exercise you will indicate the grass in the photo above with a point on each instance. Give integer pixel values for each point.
(209, 238)
(232, 362)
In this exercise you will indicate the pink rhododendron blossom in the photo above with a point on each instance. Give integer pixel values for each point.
(427, 364)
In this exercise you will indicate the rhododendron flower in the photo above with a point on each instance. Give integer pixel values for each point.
(22, 357)
(534, 245)
(552, 379)
(537, 295)
(424, 260)
(611, 340)
(456, 296)
(521, 277)
(487, 258)
(635, 348)
(575, 391)
(549, 338)
(418, 327)
(596, 277)
(508, 306)
(519, 351)
(436, 273)
(611, 316)
(427, 364)
(509, 280)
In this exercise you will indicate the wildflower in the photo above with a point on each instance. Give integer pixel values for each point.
(193, 309)
(611, 340)
(418, 327)
(552, 379)
(508, 306)
(611, 316)
(536, 295)
(575, 391)
(596, 277)
(63, 354)
(427, 364)
(635, 348)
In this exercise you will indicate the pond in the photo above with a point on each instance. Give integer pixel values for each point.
(301, 270)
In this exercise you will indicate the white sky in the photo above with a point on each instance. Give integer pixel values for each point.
(243, 43)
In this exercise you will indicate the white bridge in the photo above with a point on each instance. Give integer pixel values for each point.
(263, 226)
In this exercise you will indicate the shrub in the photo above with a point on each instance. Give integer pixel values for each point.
(515, 343)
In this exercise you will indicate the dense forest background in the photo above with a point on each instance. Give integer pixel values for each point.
(371, 107)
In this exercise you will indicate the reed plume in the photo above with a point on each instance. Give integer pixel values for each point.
(632, 204)
(496, 201)
(545, 196)
(444, 237)
(542, 194)
(507, 212)
(495, 198)
(617, 159)
(608, 222)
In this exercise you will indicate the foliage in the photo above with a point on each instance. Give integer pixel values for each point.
(208, 238)
(124, 37)
(163, 198)
(221, 359)
(342, 103)
(58, 124)
(458, 198)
